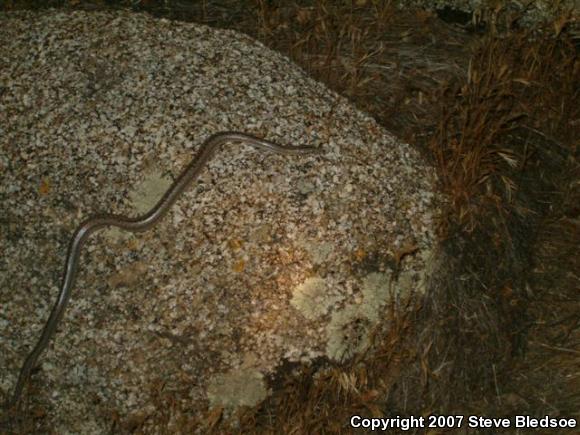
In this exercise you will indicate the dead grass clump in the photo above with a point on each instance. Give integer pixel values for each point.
(387, 61)
(332, 41)
(549, 377)
(515, 85)
(507, 155)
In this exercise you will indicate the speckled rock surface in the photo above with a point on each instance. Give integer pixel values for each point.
(98, 113)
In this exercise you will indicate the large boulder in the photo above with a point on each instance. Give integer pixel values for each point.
(266, 259)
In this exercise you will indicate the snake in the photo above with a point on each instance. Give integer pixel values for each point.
(136, 224)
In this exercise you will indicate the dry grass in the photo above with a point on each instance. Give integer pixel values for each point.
(510, 83)
(497, 113)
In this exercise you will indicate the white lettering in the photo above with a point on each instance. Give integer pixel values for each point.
(544, 422)
(356, 421)
(476, 421)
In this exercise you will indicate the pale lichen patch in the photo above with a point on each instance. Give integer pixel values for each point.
(319, 252)
(348, 333)
(375, 294)
(145, 195)
(313, 299)
(349, 329)
(242, 387)
(142, 199)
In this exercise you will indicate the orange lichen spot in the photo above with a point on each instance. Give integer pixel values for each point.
(235, 244)
(44, 187)
(239, 266)
(360, 254)
(132, 243)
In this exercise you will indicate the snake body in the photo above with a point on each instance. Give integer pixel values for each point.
(137, 224)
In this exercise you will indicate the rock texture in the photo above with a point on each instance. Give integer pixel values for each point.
(266, 259)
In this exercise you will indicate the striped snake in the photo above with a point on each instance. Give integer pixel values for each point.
(137, 224)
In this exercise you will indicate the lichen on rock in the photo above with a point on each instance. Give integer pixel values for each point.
(319, 252)
(375, 292)
(349, 329)
(348, 333)
(313, 299)
(146, 194)
(242, 387)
